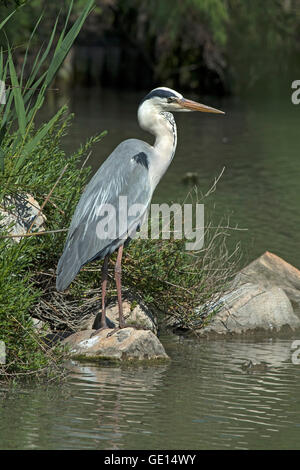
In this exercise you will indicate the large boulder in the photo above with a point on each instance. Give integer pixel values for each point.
(269, 270)
(127, 344)
(249, 308)
(17, 214)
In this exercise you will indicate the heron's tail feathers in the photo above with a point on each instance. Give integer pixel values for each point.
(67, 269)
(77, 253)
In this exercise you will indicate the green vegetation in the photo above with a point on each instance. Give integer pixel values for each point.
(212, 46)
(20, 263)
(32, 160)
(27, 94)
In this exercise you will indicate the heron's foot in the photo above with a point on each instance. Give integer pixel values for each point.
(117, 328)
(113, 332)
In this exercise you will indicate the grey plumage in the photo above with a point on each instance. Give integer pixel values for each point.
(124, 173)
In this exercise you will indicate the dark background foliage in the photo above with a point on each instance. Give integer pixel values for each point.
(211, 46)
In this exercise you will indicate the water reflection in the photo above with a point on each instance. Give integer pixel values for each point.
(119, 397)
(201, 400)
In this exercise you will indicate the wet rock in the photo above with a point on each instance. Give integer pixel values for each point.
(136, 314)
(127, 344)
(249, 308)
(252, 366)
(190, 178)
(17, 214)
(269, 270)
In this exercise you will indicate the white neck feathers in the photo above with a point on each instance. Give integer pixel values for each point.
(162, 125)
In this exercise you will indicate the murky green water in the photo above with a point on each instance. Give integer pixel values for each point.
(202, 399)
(257, 142)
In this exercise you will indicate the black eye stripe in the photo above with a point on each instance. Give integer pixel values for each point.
(160, 94)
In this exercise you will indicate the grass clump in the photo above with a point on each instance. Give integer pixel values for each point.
(184, 286)
(21, 263)
(32, 162)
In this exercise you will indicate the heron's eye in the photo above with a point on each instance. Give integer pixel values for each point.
(170, 99)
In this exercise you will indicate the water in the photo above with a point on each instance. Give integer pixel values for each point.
(257, 142)
(202, 399)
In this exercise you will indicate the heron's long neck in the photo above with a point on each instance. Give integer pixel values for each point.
(162, 125)
(166, 137)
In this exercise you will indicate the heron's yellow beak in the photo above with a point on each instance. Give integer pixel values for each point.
(194, 106)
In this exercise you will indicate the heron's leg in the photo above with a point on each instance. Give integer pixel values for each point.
(104, 274)
(118, 271)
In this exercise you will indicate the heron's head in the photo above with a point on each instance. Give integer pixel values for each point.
(166, 99)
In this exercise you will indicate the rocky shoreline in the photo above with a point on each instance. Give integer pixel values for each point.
(264, 297)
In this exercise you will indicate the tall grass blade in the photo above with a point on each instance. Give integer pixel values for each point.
(18, 99)
(32, 143)
(37, 66)
(27, 48)
(60, 39)
(67, 42)
(63, 46)
(6, 19)
(2, 155)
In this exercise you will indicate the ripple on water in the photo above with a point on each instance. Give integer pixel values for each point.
(202, 399)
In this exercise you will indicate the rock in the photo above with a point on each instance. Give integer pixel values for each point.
(40, 325)
(270, 270)
(190, 178)
(252, 366)
(17, 214)
(251, 307)
(75, 338)
(136, 314)
(86, 323)
(127, 344)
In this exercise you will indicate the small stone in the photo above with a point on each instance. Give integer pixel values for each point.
(40, 325)
(87, 323)
(252, 366)
(136, 314)
(17, 214)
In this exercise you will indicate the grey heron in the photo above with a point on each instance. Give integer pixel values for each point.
(132, 170)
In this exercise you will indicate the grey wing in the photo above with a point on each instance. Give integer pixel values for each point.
(97, 227)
